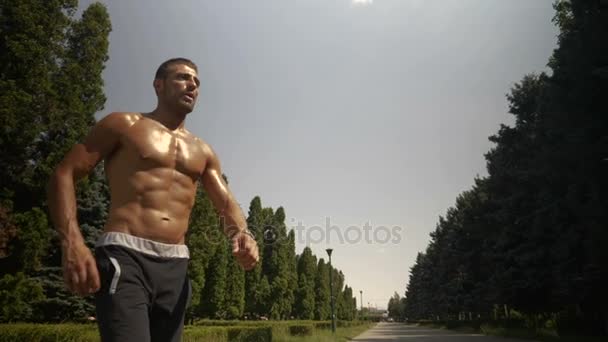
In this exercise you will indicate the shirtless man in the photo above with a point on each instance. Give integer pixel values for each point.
(153, 165)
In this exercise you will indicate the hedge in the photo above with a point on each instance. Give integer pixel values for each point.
(212, 331)
(301, 330)
(89, 333)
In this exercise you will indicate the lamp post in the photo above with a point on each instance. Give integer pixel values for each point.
(331, 293)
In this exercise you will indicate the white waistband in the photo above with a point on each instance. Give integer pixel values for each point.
(142, 245)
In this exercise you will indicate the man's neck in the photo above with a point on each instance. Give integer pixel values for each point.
(169, 119)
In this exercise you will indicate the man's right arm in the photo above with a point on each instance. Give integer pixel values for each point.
(79, 268)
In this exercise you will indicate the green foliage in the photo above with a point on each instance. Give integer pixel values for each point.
(212, 334)
(305, 293)
(272, 289)
(28, 248)
(322, 298)
(204, 237)
(301, 330)
(264, 296)
(396, 307)
(213, 295)
(253, 334)
(261, 333)
(528, 237)
(234, 300)
(51, 86)
(49, 332)
(253, 294)
(347, 308)
(17, 292)
(59, 305)
(214, 331)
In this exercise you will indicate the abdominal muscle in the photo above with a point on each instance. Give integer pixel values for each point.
(153, 204)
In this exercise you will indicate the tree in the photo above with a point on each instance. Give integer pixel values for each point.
(322, 297)
(346, 308)
(280, 269)
(528, 236)
(393, 306)
(50, 88)
(234, 301)
(213, 296)
(305, 292)
(255, 223)
(203, 238)
(17, 293)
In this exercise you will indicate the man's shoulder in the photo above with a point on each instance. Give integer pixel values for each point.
(123, 117)
(120, 120)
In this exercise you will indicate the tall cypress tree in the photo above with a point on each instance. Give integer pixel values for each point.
(292, 274)
(322, 298)
(279, 269)
(305, 292)
(234, 301)
(252, 278)
(203, 238)
(213, 295)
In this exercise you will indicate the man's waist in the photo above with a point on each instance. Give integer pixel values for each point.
(142, 245)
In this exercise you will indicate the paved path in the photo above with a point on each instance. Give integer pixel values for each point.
(384, 332)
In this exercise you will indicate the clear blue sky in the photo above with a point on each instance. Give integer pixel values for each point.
(358, 111)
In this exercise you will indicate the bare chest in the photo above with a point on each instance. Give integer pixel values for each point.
(152, 146)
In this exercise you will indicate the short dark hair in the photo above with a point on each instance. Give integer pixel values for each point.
(163, 69)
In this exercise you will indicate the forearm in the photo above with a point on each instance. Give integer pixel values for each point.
(62, 207)
(232, 218)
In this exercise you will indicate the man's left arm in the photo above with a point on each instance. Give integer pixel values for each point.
(244, 246)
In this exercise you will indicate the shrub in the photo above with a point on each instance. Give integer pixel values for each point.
(49, 332)
(301, 330)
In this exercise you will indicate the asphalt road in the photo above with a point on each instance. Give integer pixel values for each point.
(384, 332)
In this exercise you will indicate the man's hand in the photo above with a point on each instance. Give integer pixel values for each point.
(79, 269)
(245, 250)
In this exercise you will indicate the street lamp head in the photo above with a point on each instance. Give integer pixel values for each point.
(329, 250)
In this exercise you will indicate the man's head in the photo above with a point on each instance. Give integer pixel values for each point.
(176, 84)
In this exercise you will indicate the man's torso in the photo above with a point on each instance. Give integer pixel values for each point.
(153, 175)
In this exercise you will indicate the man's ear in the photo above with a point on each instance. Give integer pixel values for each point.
(158, 85)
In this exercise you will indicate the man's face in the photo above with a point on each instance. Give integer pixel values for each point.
(179, 89)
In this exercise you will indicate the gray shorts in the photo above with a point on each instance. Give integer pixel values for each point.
(144, 289)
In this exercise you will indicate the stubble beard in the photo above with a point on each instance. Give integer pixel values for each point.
(183, 107)
(180, 107)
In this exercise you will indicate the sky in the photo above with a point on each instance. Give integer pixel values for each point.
(363, 119)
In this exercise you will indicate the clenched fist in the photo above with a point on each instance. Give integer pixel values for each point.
(245, 249)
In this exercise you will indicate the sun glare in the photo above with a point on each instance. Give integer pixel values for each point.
(362, 2)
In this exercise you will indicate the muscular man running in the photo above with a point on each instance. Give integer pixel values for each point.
(153, 165)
